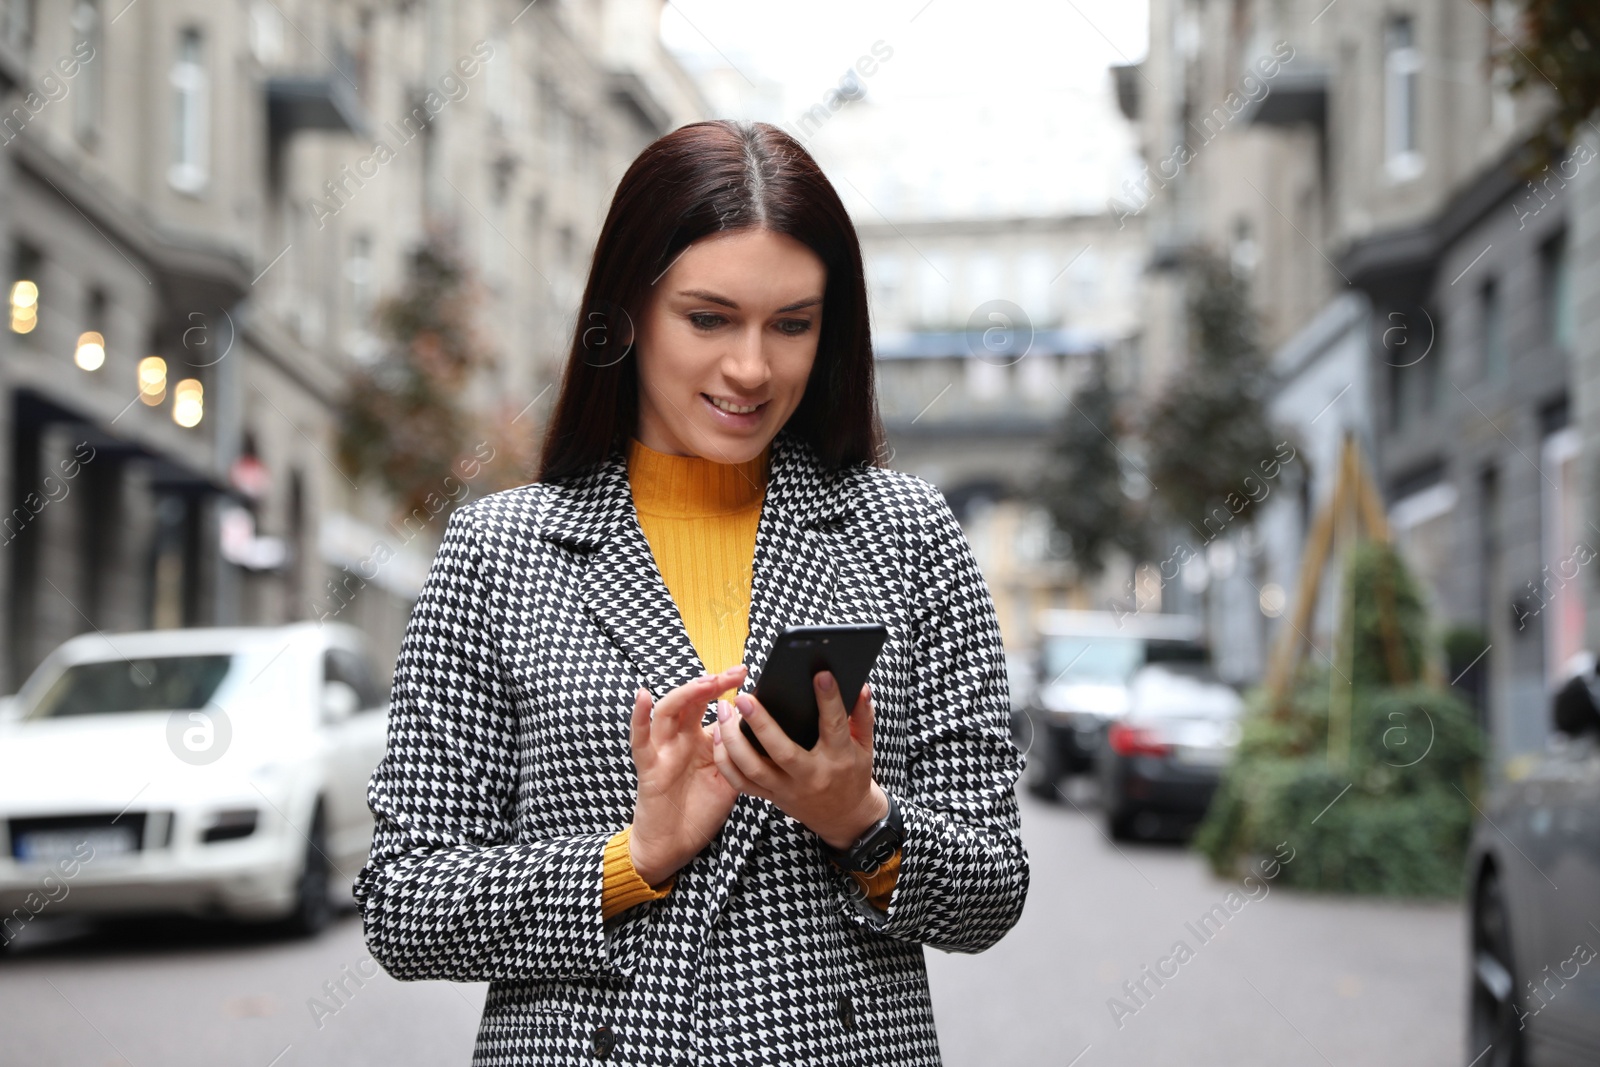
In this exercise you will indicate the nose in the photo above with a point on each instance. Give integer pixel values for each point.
(745, 364)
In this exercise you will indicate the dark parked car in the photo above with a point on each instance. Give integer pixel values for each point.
(1534, 901)
(1164, 758)
(1085, 661)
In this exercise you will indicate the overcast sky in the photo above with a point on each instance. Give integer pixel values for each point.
(983, 107)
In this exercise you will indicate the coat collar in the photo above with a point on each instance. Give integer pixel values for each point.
(588, 510)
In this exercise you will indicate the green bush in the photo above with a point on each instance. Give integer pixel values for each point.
(1394, 819)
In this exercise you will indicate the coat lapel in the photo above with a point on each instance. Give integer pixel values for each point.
(794, 572)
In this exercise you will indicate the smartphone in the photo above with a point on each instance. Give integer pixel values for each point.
(786, 689)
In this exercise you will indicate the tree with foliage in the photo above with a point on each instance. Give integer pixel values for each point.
(1081, 488)
(405, 418)
(1208, 432)
(1555, 46)
(1390, 817)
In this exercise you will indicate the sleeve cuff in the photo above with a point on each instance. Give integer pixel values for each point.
(623, 887)
(879, 886)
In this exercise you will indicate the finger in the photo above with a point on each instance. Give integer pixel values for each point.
(864, 719)
(639, 721)
(725, 763)
(781, 749)
(670, 713)
(693, 696)
(758, 769)
(693, 712)
(833, 724)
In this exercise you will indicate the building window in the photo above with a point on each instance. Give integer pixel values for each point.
(933, 290)
(358, 275)
(359, 296)
(266, 32)
(1557, 292)
(88, 41)
(1560, 601)
(1398, 399)
(500, 87)
(1492, 316)
(1035, 272)
(1432, 368)
(1243, 254)
(190, 92)
(1500, 27)
(1402, 77)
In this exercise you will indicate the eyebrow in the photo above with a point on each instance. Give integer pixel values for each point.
(702, 294)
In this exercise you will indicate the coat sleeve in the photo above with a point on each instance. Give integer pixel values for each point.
(963, 870)
(449, 891)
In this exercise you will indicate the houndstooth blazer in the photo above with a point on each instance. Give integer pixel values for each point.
(509, 767)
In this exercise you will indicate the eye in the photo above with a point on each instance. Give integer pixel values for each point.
(705, 320)
(794, 327)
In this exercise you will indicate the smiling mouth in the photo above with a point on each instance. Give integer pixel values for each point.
(730, 407)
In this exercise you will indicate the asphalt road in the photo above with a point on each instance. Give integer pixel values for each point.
(1290, 978)
(1282, 979)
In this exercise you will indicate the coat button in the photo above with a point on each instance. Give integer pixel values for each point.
(604, 1042)
(847, 1012)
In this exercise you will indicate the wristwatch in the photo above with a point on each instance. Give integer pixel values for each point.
(872, 849)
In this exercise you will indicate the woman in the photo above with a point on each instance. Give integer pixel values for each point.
(566, 808)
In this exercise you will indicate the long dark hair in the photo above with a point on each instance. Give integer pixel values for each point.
(700, 179)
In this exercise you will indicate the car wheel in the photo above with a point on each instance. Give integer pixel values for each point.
(1121, 824)
(1494, 1024)
(312, 908)
(1041, 776)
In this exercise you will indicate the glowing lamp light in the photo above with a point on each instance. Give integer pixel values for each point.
(152, 380)
(24, 306)
(188, 405)
(91, 351)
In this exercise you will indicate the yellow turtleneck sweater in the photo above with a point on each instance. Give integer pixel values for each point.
(700, 518)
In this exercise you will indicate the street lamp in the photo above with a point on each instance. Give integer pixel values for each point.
(188, 405)
(152, 380)
(24, 306)
(91, 351)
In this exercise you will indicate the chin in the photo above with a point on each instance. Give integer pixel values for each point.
(727, 447)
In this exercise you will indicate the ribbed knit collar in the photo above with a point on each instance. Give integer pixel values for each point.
(673, 486)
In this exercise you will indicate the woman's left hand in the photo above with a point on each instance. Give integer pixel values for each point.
(829, 788)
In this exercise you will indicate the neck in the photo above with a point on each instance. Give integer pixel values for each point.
(683, 486)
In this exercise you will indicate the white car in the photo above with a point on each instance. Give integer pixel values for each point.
(217, 772)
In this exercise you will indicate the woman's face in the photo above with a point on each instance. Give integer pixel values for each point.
(725, 343)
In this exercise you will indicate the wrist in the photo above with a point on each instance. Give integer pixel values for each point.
(652, 874)
(873, 807)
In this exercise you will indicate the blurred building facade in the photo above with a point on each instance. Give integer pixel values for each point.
(984, 327)
(202, 206)
(1362, 164)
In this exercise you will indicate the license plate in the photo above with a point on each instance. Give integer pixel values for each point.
(1202, 755)
(50, 846)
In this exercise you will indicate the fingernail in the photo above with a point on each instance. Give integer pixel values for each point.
(723, 711)
(825, 681)
(747, 707)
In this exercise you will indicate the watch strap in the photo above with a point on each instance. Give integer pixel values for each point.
(874, 847)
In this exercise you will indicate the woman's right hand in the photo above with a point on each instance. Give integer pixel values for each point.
(683, 798)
